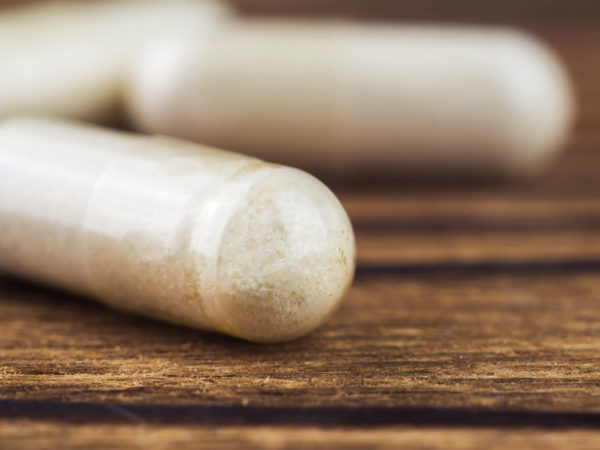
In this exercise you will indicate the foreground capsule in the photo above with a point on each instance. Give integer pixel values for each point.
(172, 230)
(346, 99)
(68, 58)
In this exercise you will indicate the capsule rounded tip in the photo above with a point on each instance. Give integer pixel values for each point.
(538, 104)
(285, 261)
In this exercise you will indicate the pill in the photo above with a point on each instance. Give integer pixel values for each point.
(172, 230)
(346, 99)
(68, 58)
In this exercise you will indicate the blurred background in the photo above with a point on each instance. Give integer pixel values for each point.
(404, 219)
(476, 299)
(571, 28)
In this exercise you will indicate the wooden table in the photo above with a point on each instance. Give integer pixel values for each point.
(474, 321)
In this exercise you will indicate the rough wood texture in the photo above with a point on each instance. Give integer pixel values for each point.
(42, 436)
(474, 322)
(486, 316)
(452, 338)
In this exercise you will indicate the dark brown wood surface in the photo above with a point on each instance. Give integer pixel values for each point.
(474, 321)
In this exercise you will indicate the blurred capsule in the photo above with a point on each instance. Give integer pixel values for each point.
(68, 58)
(345, 99)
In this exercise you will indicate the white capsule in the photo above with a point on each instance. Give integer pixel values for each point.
(172, 230)
(343, 98)
(68, 58)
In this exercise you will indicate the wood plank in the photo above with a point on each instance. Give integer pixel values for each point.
(505, 340)
(474, 320)
(410, 248)
(41, 436)
(555, 218)
(567, 195)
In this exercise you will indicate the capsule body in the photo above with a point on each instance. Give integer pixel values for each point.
(68, 58)
(172, 230)
(344, 98)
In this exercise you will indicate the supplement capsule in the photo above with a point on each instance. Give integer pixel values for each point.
(172, 230)
(68, 58)
(346, 99)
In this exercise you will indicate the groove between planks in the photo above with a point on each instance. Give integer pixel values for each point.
(323, 417)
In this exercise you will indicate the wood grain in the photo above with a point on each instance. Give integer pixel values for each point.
(42, 436)
(474, 320)
(447, 339)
